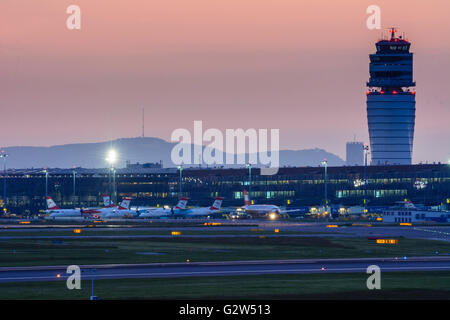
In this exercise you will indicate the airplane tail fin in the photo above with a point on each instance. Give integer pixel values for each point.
(409, 205)
(182, 203)
(246, 200)
(217, 203)
(51, 205)
(125, 204)
(106, 201)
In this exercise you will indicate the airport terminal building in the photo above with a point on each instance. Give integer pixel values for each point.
(427, 184)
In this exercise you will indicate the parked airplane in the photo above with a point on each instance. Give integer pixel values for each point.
(205, 211)
(107, 202)
(261, 210)
(110, 210)
(108, 206)
(121, 211)
(56, 212)
(163, 212)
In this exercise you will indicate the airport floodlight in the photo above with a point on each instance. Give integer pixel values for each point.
(249, 166)
(74, 176)
(112, 157)
(325, 164)
(4, 155)
(45, 171)
(366, 152)
(180, 167)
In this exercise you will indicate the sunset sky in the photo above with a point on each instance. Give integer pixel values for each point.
(296, 65)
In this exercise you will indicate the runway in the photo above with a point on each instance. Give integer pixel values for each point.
(236, 268)
(304, 229)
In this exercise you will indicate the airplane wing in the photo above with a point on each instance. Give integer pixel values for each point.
(292, 210)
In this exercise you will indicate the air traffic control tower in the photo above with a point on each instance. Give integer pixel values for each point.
(391, 103)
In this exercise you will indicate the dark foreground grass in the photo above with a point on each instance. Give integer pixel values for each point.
(151, 250)
(394, 285)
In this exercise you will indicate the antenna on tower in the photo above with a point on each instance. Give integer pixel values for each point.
(143, 123)
(393, 30)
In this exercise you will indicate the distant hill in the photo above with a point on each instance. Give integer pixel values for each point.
(143, 150)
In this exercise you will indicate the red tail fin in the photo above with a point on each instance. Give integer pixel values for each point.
(217, 203)
(51, 205)
(125, 204)
(182, 203)
(246, 200)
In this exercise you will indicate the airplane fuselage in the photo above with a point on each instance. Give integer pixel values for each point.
(198, 212)
(64, 213)
(158, 212)
(261, 209)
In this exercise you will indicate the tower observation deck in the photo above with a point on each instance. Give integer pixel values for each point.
(391, 103)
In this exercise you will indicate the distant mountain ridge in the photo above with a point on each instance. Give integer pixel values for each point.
(143, 150)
